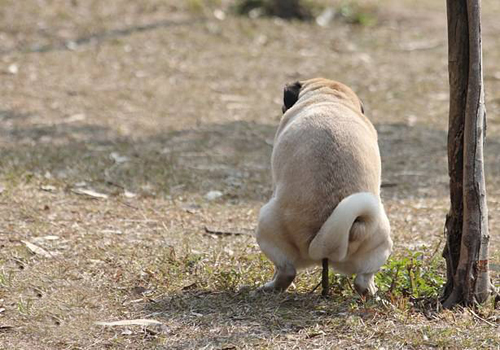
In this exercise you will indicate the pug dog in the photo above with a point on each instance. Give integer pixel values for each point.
(326, 173)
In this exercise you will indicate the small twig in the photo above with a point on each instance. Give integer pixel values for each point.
(324, 279)
(420, 46)
(221, 232)
(394, 280)
(128, 205)
(6, 327)
(481, 319)
(350, 285)
(436, 250)
(319, 284)
(111, 183)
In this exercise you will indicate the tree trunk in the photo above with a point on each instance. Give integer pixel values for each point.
(466, 251)
(458, 66)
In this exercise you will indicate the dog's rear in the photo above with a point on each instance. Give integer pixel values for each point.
(325, 151)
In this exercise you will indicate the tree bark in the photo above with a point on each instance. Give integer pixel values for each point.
(466, 251)
(458, 66)
(475, 236)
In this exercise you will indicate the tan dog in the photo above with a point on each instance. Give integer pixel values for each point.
(326, 180)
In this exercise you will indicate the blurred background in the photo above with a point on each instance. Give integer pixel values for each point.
(129, 127)
(196, 85)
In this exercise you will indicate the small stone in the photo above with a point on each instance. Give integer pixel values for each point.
(13, 69)
(219, 14)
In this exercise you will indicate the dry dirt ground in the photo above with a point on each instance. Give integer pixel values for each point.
(118, 117)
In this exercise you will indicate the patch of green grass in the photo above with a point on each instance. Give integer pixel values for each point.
(356, 13)
(24, 306)
(196, 6)
(200, 6)
(411, 276)
(5, 278)
(183, 127)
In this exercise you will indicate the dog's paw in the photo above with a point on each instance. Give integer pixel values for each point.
(365, 285)
(372, 289)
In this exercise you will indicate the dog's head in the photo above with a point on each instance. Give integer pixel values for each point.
(295, 90)
(291, 95)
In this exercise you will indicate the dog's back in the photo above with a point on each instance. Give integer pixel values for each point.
(323, 154)
(326, 176)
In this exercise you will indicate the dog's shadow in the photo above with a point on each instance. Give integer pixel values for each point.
(219, 318)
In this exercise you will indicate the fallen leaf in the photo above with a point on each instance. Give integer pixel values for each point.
(212, 195)
(71, 45)
(76, 118)
(135, 301)
(115, 232)
(50, 238)
(45, 238)
(137, 322)
(117, 158)
(48, 188)
(190, 286)
(128, 194)
(90, 193)
(36, 249)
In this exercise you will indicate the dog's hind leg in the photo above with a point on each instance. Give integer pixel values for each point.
(364, 282)
(277, 249)
(283, 277)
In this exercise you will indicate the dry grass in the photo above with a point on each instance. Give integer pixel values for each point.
(154, 105)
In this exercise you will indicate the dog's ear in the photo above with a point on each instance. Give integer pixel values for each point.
(362, 106)
(291, 95)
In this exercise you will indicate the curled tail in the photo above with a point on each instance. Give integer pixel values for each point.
(333, 237)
